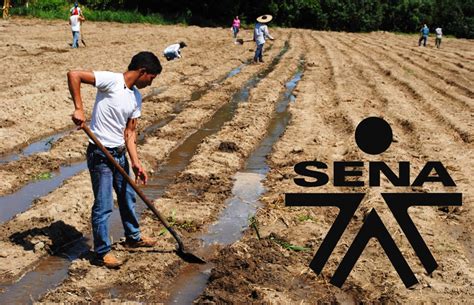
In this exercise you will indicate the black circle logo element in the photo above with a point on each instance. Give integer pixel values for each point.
(373, 135)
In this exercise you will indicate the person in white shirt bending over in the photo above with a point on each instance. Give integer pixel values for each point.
(439, 35)
(260, 33)
(75, 22)
(173, 51)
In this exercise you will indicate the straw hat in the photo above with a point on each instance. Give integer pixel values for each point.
(264, 18)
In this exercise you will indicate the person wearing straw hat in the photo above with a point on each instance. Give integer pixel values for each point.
(260, 33)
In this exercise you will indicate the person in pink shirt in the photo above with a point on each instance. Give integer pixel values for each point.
(236, 26)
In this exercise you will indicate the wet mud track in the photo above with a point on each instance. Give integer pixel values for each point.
(345, 78)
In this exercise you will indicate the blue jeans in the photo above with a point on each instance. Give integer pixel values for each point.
(422, 38)
(75, 39)
(259, 52)
(104, 178)
(235, 31)
(170, 56)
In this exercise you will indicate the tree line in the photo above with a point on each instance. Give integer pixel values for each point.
(456, 17)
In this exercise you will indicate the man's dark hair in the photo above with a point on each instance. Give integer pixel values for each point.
(182, 44)
(146, 60)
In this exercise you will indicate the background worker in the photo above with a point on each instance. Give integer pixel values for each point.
(114, 121)
(260, 33)
(439, 35)
(235, 26)
(75, 22)
(173, 51)
(424, 32)
(76, 10)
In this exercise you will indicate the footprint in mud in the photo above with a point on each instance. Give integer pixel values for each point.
(51, 49)
(227, 146)
(6, 123)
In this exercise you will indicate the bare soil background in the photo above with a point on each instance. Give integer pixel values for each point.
(424, 93)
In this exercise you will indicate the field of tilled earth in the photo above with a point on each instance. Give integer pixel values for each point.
(220, 137)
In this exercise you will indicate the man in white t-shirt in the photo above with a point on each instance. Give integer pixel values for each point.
(75, 22)
(173, 51)
(117, 107)
(439, 35)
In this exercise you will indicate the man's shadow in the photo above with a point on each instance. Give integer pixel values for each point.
(54, 237)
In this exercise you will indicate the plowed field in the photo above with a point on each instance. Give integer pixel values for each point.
(216, 95)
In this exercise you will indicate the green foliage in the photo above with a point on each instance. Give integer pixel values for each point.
(187, 225)
(286, 245)
(44, 176)
(305, 217)
(456, 17)
(253, 223)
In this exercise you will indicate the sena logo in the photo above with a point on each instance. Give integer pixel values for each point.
(373, 136)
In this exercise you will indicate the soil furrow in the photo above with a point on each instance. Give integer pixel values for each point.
(215, 136)
(462, 89)
(416, 88)
(50, 84)
(440, 58)
(373, 278)
(339, 119)
(419, 143)
(53, 210)
(203, 184)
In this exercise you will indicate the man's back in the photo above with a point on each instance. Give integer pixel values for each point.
(260, 31)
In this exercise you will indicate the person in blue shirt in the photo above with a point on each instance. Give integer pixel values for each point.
(424, 32)
(260, 33)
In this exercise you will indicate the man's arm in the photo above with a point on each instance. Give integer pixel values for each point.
(130, 134)
(74, 81)
(267, 34)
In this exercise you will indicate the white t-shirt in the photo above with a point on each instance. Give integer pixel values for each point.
(172, 50)
(114, 105)
(75, 23)
(439, 33)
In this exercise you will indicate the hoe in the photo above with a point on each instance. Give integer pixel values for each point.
(187, 256)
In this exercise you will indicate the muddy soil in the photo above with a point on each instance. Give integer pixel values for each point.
(424, 93)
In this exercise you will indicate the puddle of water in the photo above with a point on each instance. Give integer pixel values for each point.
(46, 275)
(235, 71)
(20, 201)
(248, 187)
(234, 219)
(35, 147)
(196, 279)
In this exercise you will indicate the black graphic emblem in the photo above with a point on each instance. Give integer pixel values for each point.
(373, 136)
